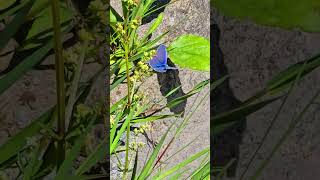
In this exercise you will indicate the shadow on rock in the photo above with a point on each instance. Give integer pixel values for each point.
(169, 81)
(226, 144)
(158, 4)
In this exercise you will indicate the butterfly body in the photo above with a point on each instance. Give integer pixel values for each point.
(159, 62)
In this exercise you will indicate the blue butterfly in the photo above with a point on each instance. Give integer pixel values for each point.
(159, 61)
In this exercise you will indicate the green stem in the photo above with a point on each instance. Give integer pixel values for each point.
(128, 105)
(292, 126)
(59, 62)
(127, 49)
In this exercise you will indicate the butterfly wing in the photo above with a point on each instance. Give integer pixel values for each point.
(162, 54)
(156, 65)
(159, 61)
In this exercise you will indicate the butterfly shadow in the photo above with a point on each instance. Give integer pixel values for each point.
(169, 81)
(227, 143)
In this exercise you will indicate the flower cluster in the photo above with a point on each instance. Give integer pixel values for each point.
(142, 129)
(148, 55)
(135, 145)
(120, 29)
(135, 23)
(112, 122)
(99, 8)
(142, 69)
(131, 3)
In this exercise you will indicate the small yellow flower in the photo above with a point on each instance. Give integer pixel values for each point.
(141, 130)
(136, 131)
(141, 144)
(112, 121)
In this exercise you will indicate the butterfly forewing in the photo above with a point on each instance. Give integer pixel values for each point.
(159, 61)
(162, 54)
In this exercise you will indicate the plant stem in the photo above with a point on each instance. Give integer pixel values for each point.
(59, 62)
(128, 105)
(127, 51)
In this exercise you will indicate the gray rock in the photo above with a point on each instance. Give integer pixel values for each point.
(253, 55)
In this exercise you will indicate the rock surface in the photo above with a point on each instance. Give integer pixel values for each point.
(253, 54)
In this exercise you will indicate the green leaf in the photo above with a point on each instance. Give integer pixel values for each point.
(179, 166)
(36, 160)
(24, 66)
(202, 173)
(191, 51)
(6, 3)
(281, 13)
(154, 118)
(17, 142)
(286, 77)
(114, 16)
(117, 82)
(226, 119)
(183, 98)
(115, 141)
(38, 7)
(135, 167)
(94, 157)
(282, 81)
(225, 168)
(14, 25)
(74, 152)
(13, 10)
(240, 112)
(71, 156)
(217, 83)
(149, 165)
(44, 21)
(154, 26)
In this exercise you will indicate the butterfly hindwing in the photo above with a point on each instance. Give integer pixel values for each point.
(159, 61)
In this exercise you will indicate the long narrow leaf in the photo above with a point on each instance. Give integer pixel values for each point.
(184, 163)
(13, 27)
(240, 112)
(94, 157)
(17, 142)
(23, 67)
(148, 166)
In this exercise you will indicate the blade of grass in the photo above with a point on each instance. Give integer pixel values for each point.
(293, 85)
(113, 130)
(67, 164)
(14, 25)
(59, 62)
(119, 81)
(24, 66)
(13, 10)
(179, 166)
(284, 79)
(224, 169)
(115, 142)
(240, 112)
(17, 142)
(290, 129)
(153, 118)
(74, 85)
(149, 165)
(135, 167)
(202, 172)
(94, 157)
(153, 27)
